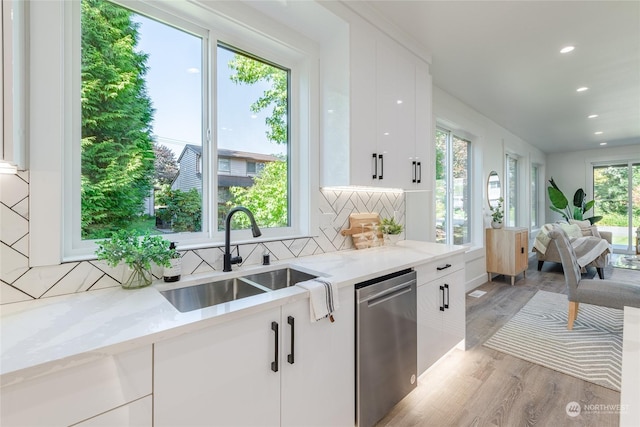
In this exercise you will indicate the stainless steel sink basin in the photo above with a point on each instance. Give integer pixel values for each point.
(278, 279)
(208, 294)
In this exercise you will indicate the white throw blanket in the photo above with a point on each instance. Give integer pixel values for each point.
(323, 298)
(589, 248)
(542, 238)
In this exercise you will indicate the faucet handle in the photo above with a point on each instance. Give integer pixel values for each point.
(236, 259)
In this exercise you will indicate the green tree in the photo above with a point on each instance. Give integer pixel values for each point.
(266, 198)
(250, 71)
(117, 148)
(183, 209)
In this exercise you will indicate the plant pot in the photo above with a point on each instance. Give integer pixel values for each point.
(391, 239)
(136, 277)
(495, 224)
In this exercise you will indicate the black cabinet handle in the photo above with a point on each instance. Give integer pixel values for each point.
(442, 292)
(291, 321)
(447, 289)
(444, 267)
(415, 171)
(419, 172)
(381, 166)
(375, 166)
(274, 364)
(521, 250)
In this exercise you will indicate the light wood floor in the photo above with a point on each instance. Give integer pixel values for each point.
(483, 387)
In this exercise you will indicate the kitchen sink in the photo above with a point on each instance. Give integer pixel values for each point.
(208, 294)
(278, 279)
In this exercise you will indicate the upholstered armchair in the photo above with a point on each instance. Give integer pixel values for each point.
(607, 293)
(547, 251)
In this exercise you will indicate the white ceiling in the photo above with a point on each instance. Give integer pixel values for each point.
(502, 59)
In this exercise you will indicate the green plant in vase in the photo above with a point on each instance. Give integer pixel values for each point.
(390, 229)
(497, 215)
(137, 252)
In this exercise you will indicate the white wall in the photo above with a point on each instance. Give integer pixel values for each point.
(490, 143)
(572, 170)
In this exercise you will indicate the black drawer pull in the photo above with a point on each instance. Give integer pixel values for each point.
(274, 364)
(444, 267)
(291, 321)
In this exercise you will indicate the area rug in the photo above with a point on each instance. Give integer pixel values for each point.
(538, 333)
(631, 262)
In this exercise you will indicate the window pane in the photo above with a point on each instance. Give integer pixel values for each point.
(512, 186)
(141, 121)
(461, 194)
(535, 194)
(253, 120)
(441, 185)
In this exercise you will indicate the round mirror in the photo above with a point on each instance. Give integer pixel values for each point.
(493, 189)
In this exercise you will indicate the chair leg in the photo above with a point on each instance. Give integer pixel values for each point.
(573, 314)
(600, 272)
(540, 265)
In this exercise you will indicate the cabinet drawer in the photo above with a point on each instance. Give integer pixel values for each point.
(434, 270)
(71, 395)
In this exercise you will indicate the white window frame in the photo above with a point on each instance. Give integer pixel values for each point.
(55, 25)
(507, 189)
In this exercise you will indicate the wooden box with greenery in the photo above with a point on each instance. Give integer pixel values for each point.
(137, 252)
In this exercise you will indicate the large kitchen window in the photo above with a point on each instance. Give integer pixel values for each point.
(536, 185)
(453, 188)
(148, 158)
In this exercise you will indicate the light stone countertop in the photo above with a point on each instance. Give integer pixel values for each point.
(49, 334)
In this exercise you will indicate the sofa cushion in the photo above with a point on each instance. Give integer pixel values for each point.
(572, 230)
(586, 227)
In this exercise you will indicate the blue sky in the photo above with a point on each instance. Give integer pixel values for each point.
(174, 83)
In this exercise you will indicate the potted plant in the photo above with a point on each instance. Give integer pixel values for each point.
(560, 204)
(391, 230)
(137, 252)
(497, 214)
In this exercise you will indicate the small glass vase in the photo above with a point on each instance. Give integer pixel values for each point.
(495, 224)
(136, 277)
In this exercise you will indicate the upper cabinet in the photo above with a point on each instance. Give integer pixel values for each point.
(12, 86)
(389, 110)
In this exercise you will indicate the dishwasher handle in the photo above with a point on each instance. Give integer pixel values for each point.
(388, 294)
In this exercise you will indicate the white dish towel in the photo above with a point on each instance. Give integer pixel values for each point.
(323, 298)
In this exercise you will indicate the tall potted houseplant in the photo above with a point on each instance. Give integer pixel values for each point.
(560, 204)
(137, 252)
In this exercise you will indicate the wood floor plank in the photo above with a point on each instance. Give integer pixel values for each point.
(484, 387)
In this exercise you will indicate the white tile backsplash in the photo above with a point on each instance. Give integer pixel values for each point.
(18, 282)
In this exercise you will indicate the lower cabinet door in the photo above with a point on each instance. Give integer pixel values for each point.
(219, 376)
(318, 387)
(134, 414)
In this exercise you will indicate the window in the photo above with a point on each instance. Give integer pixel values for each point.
(453, 195)
(224, 165)
(616, 192)
(147, 152)
(535, 196)
(253, 119)
(511, 191)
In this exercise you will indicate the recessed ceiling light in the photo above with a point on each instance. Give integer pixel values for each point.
(598, 132)
(399, 101)
(567, 49)
(592, 116)
(603, 143)
(582, 89)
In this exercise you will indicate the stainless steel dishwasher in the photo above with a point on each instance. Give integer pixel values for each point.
(386, 348)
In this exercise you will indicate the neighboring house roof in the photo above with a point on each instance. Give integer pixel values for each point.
(246, 155)
(231, 153)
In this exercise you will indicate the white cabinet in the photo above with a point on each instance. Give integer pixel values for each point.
(240, 373)
(441, 309)
(390, 115)
(81, 392)
(134, 414)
